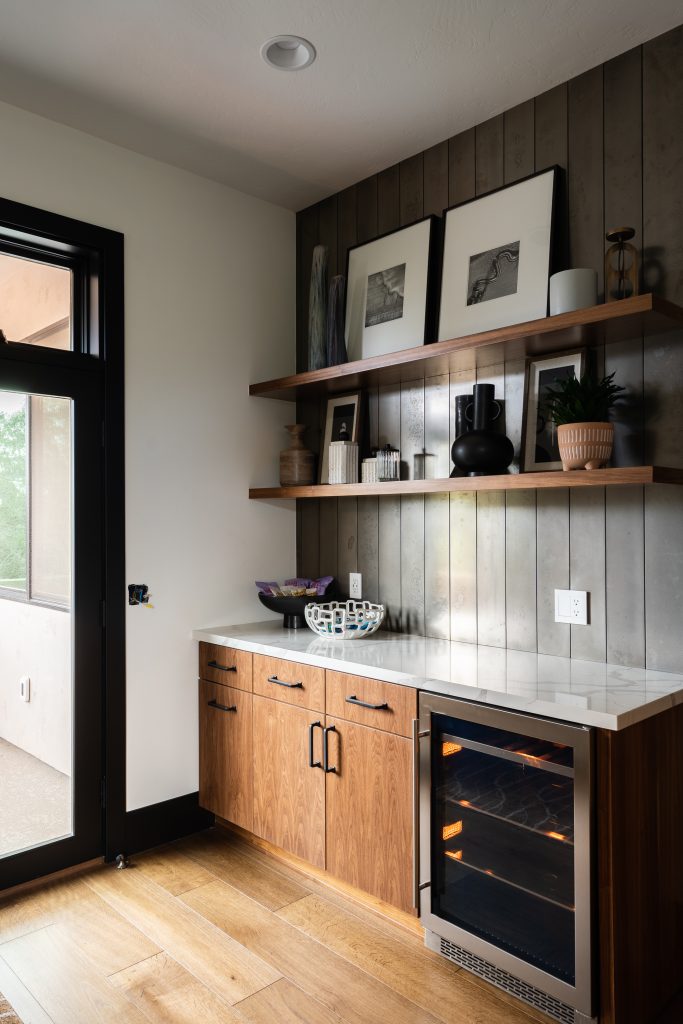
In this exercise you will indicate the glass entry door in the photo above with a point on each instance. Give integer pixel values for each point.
(509, 839)
(50, 620)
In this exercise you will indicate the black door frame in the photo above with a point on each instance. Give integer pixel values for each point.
(98, 353)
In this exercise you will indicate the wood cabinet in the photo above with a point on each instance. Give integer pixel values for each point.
(225, 752)
(371, 702)
(302, 685)
(225, 665)
(369, 810)
(261, 764)
(289, 794)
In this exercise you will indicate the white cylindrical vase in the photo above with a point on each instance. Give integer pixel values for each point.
(573, 289)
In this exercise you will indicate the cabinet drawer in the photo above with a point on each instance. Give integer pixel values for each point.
(301, 685)
(225, 753)
(392, 709)
(224, 665)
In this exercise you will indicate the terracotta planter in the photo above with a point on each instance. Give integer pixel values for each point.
(585, 445)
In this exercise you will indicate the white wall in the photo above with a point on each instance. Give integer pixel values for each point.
(209, 307)
(36, 642)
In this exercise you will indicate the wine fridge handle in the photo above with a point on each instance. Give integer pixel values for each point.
(416, 815)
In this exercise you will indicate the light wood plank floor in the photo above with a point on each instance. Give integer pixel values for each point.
(212, 930)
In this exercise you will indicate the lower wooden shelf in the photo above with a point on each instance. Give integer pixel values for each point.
(506, 482)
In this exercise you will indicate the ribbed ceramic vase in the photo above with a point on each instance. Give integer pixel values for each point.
(317, 310)
(297, 463)
(336, 346)
(585, 445)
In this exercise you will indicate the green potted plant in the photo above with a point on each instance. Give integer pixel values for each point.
(580, 410)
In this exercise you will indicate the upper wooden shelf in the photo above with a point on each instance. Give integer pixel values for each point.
(610, 322)
(505, 482)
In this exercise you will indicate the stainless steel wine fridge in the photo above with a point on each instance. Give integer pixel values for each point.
(504, 850)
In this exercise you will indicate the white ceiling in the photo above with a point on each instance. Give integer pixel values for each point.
(182, 80)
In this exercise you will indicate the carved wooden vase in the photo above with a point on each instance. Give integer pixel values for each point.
(297, 463)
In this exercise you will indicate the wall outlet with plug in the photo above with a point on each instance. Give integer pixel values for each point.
(355, 586)
(571, 606)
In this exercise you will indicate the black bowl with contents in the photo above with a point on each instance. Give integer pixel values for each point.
(292, 607)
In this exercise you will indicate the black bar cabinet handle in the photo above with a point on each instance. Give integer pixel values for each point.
(222, 668)
(311, 762)
(221, 707)
(326, 754)
(364, 704)
(281, 682)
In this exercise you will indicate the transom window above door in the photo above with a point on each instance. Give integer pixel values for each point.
(36, 302)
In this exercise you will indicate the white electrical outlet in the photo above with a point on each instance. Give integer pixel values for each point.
(355, 586)
(25, 688)
(571, 606)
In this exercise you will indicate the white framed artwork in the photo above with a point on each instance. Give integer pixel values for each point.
(496, 258)
(389, 298)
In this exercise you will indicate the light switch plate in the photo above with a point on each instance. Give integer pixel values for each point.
(571, 606)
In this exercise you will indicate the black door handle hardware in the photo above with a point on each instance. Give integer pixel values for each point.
(222, 668)
(221, 707)
(281, 682)
(364, 704)
(326, 754)
(311, 728)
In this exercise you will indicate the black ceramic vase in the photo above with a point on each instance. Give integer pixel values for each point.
(483, 451)
(463, 425)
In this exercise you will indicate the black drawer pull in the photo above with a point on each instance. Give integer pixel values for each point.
(281, 682)
(326, 753)
(221, 707)
(222, 668)
(364, 704)
(311, 728)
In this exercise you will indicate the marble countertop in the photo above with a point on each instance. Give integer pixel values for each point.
(581, 692)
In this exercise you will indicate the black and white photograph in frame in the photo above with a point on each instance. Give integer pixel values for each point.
(539, 434)
(389, 291)
(496, 258)
(342, 423)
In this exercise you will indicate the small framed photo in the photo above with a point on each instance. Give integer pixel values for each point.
(496, 258)
(342, 423)
(539, 434)
(390, 291)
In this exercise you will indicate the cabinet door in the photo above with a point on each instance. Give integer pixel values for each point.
(225, 753)
(369, 811)
(289, 795)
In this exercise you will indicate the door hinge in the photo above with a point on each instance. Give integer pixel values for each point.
(103, 792)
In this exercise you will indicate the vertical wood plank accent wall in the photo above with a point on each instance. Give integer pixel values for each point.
(483, 568)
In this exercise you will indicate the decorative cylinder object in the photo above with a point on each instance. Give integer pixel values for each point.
(369, 471)
(585, 445)
(336, 346)
(388, 463)
(573, 289)
(343, 462)
(317, 310)
(297, 463)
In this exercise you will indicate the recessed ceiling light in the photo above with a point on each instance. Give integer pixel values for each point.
(288, 53)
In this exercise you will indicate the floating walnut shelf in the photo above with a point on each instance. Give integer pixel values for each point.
(599, 325)
(506, 482)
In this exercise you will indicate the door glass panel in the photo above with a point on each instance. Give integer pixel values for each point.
(36, 647)
(35, 302)
(13, 491)
(503, 820)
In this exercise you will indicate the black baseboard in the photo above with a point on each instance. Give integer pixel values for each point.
(162, 823)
